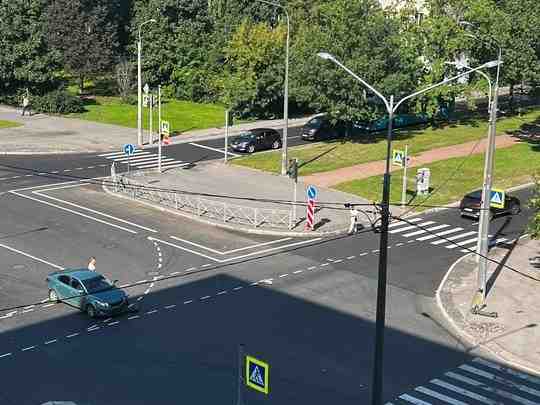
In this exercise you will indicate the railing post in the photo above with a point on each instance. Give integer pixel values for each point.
(290, 220)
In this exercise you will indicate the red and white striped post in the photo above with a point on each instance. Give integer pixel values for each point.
(310, 217)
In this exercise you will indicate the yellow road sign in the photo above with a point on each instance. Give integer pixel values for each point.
(497, 198)
(398, 157)
(257, 374)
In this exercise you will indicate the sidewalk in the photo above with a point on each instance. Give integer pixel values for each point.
(225, 180)
(365, 170)
(512, 293)
(42, 134)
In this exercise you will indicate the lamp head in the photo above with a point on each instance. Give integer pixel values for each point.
(492, 63)
(325, 55)
(153, 20)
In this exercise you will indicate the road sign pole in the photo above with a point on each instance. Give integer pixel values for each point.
(226, 134)
(295, 200)
(151, 100)
(404, 191)
(240, 388)
(159, 131)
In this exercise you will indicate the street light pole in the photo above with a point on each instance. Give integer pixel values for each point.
(139, 84)
(284, 146)
(483, 227)
(391, 108)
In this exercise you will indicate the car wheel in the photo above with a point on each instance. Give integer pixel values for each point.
(91, 311)
(516, 209)
(251, 148)
(53, 296)
(276, 145)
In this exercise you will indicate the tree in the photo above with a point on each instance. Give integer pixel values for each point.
(84, 34)
(124, 77)
(25, 59)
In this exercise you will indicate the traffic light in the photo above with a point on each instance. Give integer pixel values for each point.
(293, 169)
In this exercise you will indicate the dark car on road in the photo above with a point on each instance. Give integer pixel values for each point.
(257, 139)
(87, 290)
(320, 128)
(470, 205)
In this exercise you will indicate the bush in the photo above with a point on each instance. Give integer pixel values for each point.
(57, 102)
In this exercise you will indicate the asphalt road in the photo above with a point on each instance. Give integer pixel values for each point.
(305, 307)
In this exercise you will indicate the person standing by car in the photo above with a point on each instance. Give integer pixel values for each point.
(353, 226)
(92, 264)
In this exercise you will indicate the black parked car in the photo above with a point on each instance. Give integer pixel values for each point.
(320, 128)
(470, 205)
(257, 139)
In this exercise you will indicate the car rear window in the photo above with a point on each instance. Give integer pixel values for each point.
(96, 284)
(475, 195)
(315, 122)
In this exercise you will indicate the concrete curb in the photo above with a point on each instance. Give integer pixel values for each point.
(466, 337)
(237, 228)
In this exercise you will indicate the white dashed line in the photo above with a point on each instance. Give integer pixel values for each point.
(283, 275)
(298, 271)
(91, 167)
(107, 320)
(375, 251)
(151, 312)
(5, 355)
(113, 323)
(338, 261)
(175, 273)
(191, 268)
(255, 283)
(206, 265)
(363, 254)
(204, 298)
(133, 317)
(72, 335)
(222, 292)
(48, 342)
(93, 329)
(140, 298)
(400, 244)
(170, 306)
(324, 264)
(48, 305)
(188, 302)
(25, 311)
(28, 348)
(350, 257)
(312, 268)
(237, 288)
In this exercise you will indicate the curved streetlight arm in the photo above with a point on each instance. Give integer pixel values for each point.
(325, 55)
(445, 81)
(152, 20)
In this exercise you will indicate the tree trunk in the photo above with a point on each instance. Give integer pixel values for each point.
(511, 98)
(81, 84)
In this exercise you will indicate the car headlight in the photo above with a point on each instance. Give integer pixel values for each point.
(102, 304)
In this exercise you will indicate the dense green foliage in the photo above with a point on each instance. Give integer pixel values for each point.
(534, 203)
(233, 52)
(57, 102)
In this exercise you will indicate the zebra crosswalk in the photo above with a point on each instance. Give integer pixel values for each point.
(437, 234)
(478, 382)
(144, 160)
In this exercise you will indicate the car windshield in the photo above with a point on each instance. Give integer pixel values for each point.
(245, 136)
(96, 284)
(476, 195)
(315, 122)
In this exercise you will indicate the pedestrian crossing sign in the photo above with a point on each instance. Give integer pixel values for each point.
(497, 198)
(398, 157)
(257, 374)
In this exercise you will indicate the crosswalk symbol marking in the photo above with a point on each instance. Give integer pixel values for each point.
(398, 157)
(257, 374)
(497, 198)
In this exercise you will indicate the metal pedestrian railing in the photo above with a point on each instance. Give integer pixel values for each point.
(202, 207)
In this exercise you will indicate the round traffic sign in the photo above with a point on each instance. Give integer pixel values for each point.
(129, 149)
(311, 192)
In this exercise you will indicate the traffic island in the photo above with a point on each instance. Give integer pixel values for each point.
(242, 200)
(509, 325)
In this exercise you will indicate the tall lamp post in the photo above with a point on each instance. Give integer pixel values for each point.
(139, 84)
(391, 108)
(284, 157)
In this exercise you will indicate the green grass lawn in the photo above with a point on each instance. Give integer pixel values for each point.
(9, 124)
(334, 155)
(452, 178)
(182, 115)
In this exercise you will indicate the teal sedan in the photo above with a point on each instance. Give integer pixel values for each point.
(87, 290)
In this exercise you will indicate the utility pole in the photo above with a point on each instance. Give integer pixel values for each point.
(404, 190)
(159, 131)
(240, 386)
(483, 227)
(226, 135)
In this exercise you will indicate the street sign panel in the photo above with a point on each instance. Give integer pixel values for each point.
(398, 157)
(145, 100)
(129, 149)
(146, 88)
(497, 198)
(311, 192)
(165, 127)
(257, 374)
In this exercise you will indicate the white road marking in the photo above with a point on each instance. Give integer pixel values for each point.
(350, 257)
(32, 257)
(133, 317)
(298, 271)
(338, 261)
(461, 235)
(191, 268)
(401, 243)
(204, 298)
(170, 306)
(421, 231)
(48, 305)
(93, 329)
(140, 156)
(439, 396)
(175, 273)
(155, 164)
(413, 400)
(464, 392)
(111, 155)
(375, 251)
(72, 335)
(406, 228)
(283, 275)
(48, 342)
(5, 355)
(399, 223)
(254, 283)
(92, 210)
(28, 348)
(222, 292)
(188, 302)
(75, 212)
(324, 264)
(151, 312)
(453, 230)
(514, 373)
(312, 267)
(214, 149)
(363, 254)
(454, 245)
(206, 265)
(237, 288)
(228, 251)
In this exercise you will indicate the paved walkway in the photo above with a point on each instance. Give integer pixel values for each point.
(512, 293)
(362, 171)
(41, 133)
(261, 191)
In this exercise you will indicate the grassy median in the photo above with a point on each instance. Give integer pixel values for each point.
(182, 115)
(452, 178)
(328, 156)
(9, 124)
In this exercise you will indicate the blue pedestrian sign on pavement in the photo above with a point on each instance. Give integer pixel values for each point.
(497, 198)
(257, 374)
(129, 149)
(311, 192)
